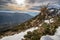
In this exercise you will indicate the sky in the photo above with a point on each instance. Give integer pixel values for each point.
(3, 3)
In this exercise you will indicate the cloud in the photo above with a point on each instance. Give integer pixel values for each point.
(36, 2)
(3, 2)
(30, 3)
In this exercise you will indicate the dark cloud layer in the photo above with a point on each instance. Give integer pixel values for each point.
(30, 2)
(38, 1)
(2, 2)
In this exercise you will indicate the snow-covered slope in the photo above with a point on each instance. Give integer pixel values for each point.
(18, 36)
(49, 21)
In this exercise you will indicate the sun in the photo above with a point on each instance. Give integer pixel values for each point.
(20, 2)
(18, 5)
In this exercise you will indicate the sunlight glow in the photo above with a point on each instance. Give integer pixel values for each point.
(20, 2)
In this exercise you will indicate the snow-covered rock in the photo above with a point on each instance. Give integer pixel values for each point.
(18, 36)
(49, 21)
(47, 37)
(54, 37)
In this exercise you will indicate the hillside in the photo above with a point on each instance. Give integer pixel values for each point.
(9, 20)
(50, 21)
(38, 21)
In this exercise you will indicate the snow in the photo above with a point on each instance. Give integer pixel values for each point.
(18, 36)
(54, 6)
(46, 38)
(41, 24)
(49, 21)
(54, 37)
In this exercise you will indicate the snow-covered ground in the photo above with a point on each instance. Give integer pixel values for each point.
(54, 37)
(49, 21)
(18, 36)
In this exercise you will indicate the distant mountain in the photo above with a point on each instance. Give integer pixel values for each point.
(7, 20)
